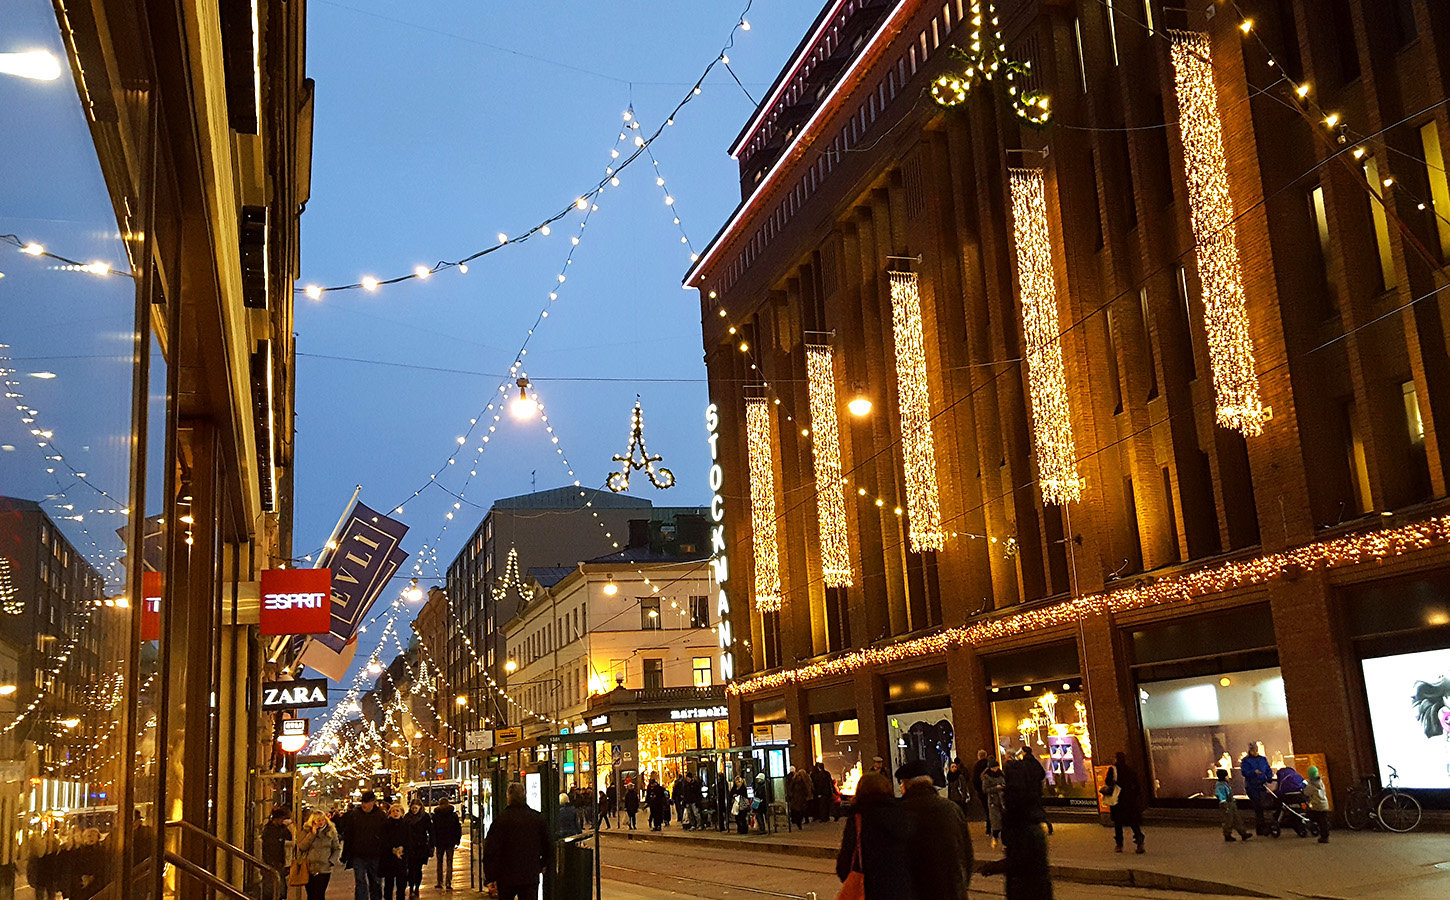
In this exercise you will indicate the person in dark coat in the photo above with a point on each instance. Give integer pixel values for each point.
(958, 790)
(825, 791)
(567, 824)
(740, 805)
(978, 767)
(394, 866)
(606, 807)
(447, 834)
(420, 844)
(798, 796)
(679, 790)
(275, 835)
(362, 845)
(658, 801)
(516, 850)
(876, 842)
(631, 803)
(721, 797)
(1128, 811)
(941, 854)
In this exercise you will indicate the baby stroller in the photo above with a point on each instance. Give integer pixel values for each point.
(1291, 810)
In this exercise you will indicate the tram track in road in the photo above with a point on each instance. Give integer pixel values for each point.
(719, 874)
(755, 858)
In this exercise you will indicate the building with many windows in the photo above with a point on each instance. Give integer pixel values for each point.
(624, 641)
(1078, 369)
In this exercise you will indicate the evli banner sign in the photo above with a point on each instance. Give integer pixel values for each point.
(296, 601)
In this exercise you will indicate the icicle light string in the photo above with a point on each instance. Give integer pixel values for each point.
(583, 200)
(1355, 549)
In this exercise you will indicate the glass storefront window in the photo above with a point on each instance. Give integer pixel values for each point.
(1196, 725)
(837, 744)
(1055, 725)
(926, 735)
(658, 744)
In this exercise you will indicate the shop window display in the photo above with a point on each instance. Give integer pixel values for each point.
(1409, 713)
(1196, 725)
(1055, 726)
(658, 744)
(925, 736)
(838, 745)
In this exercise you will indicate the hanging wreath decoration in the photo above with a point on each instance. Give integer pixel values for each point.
(661, 478)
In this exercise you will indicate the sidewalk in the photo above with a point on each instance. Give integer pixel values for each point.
(1196, 859)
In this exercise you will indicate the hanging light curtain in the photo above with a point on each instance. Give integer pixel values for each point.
(1211, 209)
(1046, 378)
(826, 448)
(923, 503)
(762, 504)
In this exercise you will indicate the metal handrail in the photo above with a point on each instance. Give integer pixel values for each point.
(204, 876)
(230, 848)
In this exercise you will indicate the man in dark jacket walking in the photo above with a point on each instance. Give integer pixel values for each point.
(362, 846)
(447, 834)
(941, 855)
(516, 851)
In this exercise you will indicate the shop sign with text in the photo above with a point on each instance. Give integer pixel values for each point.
(296, 601)
(303, 693)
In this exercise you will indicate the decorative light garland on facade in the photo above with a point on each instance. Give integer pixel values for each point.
(1226, 318)
(986, 56)
(1046, 377)
(762, 504)
(826, 450)
(511, 580)
(1374, 546)
(923, 501)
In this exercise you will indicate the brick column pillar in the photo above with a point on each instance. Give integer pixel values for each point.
(871, 717)
(1317, 661)
(971, 714)
(1111, 697)
(800, 732)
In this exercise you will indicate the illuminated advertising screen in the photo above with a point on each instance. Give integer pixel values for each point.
(296, 601)
(1409, 711)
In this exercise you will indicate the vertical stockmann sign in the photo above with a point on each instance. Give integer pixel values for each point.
(718, 560)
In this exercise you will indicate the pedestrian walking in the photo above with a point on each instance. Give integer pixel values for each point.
(1127, 809)
(994, 794)
(760, 806)
(658, 801)
(447, 834)
(798, 796)
(606, 807)
(1024, 860)
(873, 860)
(696, 801)
(275, 835)
(567, 823)
(958, 789)
(824, 790)
(42, 855)
(1036, 778)
(419, 846)
(394, 866)
(516, 850)
(978, 768)
(1232, 821)
(631, 803)
(362, 846)
(740, 805)
(1318, 798)
(677, 797)
(321, 849)
(1257, 775)
(720, 798)
(940, 857)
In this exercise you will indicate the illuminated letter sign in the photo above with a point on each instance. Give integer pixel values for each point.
(303, 693)
(717, 542)
(296, 601)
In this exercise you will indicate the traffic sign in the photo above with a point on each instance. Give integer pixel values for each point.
(616, 755)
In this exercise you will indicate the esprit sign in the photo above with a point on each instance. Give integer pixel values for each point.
(303, 693)
(296, 601)
(718, 560)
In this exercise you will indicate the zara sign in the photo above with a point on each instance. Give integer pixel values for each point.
(303, 693)
(296, 601)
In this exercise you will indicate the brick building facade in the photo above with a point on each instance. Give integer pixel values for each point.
(1283, 580)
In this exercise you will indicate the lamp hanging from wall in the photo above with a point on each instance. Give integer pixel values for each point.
(826, 450)
(762, 504)
(923, 501)
(1046, 376)
(1211, 212)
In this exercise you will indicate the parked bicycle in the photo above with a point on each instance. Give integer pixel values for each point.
(1391, 807)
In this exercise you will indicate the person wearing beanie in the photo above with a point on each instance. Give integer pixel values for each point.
(1318, 798)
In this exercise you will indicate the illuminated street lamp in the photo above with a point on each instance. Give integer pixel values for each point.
(510, 667)
(860, 405)
(523, 406)
(610, 588)
(39, 65)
